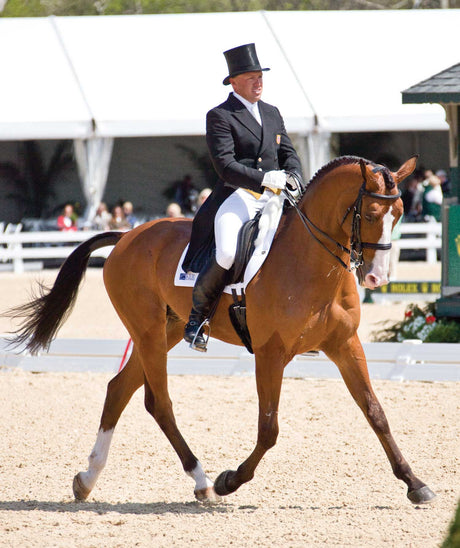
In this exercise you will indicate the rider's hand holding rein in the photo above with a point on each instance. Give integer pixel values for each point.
(275, 180)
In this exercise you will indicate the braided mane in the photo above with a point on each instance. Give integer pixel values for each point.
(347, 160)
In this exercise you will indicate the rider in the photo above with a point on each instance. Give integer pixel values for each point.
(250, 151)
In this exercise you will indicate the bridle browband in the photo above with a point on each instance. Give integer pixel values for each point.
(356, 245)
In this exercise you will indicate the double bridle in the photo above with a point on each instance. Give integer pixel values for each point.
(355, 251)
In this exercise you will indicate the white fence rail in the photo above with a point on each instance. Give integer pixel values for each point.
(18, 247)
(431, 242)
(391, 361)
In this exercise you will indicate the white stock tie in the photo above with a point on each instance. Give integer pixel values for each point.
(254, 110)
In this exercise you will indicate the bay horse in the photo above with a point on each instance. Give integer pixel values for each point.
(303, 298)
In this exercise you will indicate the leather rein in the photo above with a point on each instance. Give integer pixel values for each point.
(355, 251)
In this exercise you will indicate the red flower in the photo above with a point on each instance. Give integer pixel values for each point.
(408, 314)
(430, 319)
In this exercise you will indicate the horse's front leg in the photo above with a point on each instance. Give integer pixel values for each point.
(269, 376)
(351, 361)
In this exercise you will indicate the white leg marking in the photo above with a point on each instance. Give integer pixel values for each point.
(201, 479)
(97, 459)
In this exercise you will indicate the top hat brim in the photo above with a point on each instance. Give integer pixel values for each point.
(226, 80)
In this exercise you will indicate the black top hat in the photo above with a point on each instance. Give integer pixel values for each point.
(240, 60)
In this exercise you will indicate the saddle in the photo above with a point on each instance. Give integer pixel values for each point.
(253, 244)
(244, 250)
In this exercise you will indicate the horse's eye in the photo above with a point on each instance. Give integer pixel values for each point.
(369, 218)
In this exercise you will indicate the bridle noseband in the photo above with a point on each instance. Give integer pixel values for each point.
(356, 244)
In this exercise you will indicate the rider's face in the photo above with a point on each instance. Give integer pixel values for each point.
(249, 85)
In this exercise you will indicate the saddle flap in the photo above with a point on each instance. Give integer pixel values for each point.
(253, 246)
(244, 249)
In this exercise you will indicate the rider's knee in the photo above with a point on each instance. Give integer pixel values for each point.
(224, 260)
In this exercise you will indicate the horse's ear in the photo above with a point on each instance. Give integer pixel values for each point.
(405, 170)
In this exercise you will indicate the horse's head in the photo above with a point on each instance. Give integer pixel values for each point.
(361, 201)
(374, 214)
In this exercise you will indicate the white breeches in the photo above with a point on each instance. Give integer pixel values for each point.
(238, 208)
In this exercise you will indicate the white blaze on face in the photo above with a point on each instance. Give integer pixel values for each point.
(378, 275)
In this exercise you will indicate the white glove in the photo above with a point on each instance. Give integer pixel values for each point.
(294, 185)
(274, 179)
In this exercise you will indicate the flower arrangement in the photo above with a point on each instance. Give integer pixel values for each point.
(420, 323)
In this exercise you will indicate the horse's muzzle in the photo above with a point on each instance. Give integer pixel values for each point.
(371, 277)
(372, 281)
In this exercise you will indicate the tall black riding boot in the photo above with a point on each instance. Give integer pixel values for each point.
(208, 287)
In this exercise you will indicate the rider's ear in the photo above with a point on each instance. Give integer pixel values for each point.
(405, 170)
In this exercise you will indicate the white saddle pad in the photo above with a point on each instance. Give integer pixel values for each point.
(268, 224)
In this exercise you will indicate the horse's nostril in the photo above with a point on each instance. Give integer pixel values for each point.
(372, 280)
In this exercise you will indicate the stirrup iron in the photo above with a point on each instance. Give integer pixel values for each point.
(192, 345)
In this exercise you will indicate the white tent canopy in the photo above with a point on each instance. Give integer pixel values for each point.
(354, 64)
(98, 78)
(39, 96)
(159, 74)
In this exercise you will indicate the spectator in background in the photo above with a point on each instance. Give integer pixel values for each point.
(102, 219)
(174, 210)
(427, 173)
(129, 214)
(68, 220)
(202, 196)
(118, 220)
(186, 195)
(412, 201)
(432, 200)
(445, 183)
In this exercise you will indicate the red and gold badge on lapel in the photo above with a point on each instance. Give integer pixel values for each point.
(278, 139)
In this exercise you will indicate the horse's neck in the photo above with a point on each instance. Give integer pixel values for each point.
(320, 208)
(299, 245)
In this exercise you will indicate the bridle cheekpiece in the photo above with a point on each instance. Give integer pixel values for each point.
(356, 244)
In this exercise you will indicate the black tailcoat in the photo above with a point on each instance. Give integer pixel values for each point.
(241, 152)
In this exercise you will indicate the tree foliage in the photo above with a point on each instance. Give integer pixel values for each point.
(43, 8)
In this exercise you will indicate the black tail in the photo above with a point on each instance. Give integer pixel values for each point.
(45, 314)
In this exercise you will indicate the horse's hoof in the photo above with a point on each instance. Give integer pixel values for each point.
(423, 495)
(220, 485)
(207, 495)
(80, 492)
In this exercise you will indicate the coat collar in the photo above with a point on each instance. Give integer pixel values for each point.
(243, 115)
(268, 127)
(265, 134)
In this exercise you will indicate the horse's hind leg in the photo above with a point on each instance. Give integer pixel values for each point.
(158, 404)
(162, 412)
(352, 364)
(119, 392)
